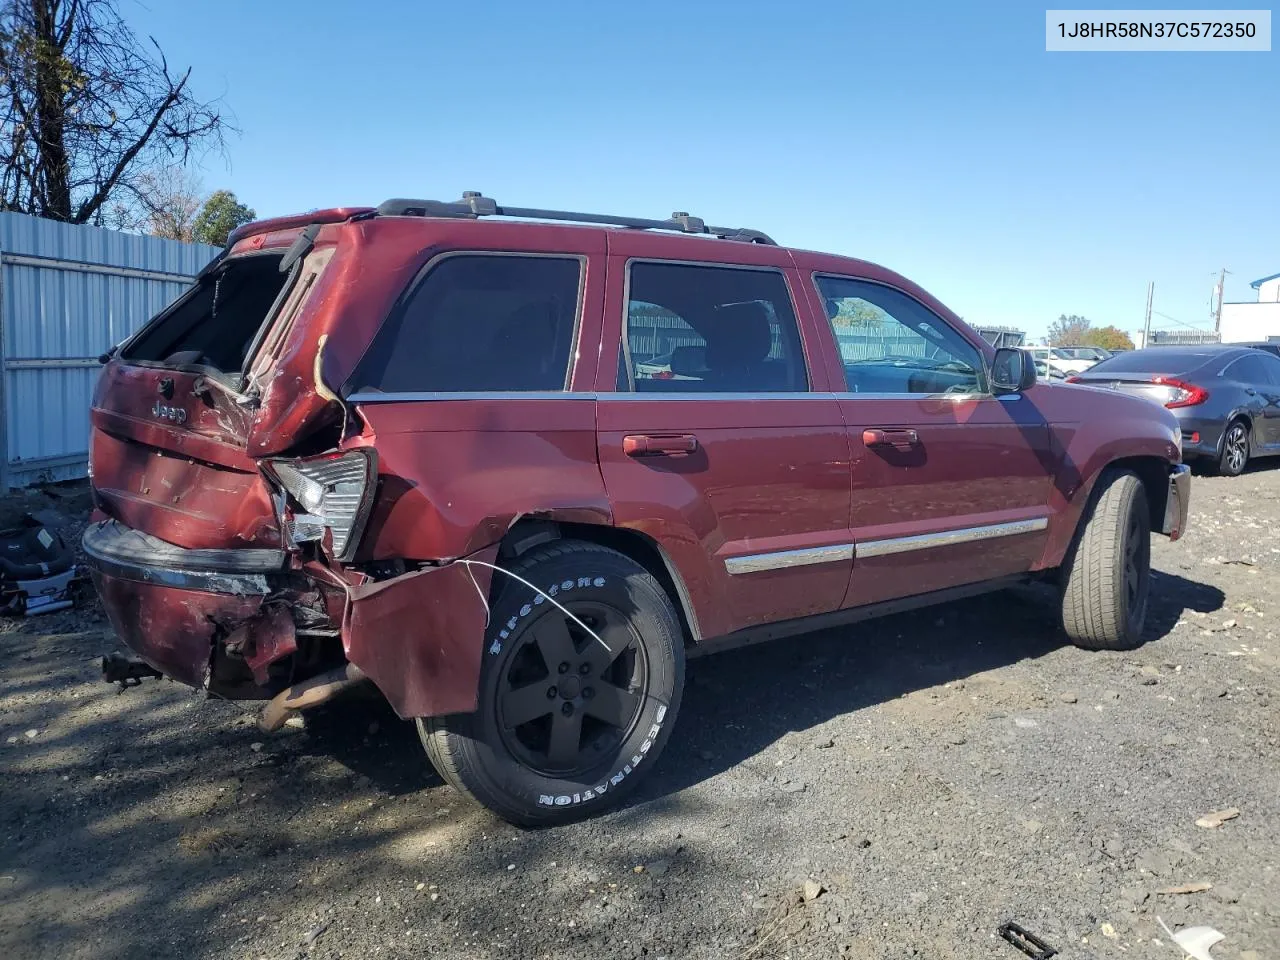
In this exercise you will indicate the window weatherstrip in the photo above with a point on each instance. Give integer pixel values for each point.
(374, 396)
(408, 396)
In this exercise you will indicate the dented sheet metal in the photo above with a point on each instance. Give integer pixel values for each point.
(269, 637)
(170, 628)
(420, 637)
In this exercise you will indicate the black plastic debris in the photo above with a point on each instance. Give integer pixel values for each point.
(1026, 941)
(36, 569)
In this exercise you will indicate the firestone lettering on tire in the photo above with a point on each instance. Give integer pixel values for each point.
(509, 627)
(566, 799)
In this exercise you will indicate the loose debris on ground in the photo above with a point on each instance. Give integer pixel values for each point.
(897, 790)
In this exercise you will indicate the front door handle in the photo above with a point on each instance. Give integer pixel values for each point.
(900, 439)
(644, 445)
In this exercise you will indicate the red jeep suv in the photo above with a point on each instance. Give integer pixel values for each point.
(512, 466)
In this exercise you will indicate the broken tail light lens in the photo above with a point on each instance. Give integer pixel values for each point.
(334, 494)
(1182, 394)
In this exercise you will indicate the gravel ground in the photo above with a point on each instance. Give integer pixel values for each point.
(930, 776)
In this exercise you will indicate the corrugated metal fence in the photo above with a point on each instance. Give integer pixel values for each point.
(653, 333)
(67, 294)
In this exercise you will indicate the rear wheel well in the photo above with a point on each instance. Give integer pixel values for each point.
(1248, 425)
(526, 534)
(1154, 474)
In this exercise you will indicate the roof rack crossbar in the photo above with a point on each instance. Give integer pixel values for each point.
(474, 205)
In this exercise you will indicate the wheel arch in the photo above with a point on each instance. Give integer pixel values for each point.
(1243, 414)
(1154, 474)
(528, 533)
(1151, 469)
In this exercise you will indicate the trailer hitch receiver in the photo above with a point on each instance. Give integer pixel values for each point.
(126, 671)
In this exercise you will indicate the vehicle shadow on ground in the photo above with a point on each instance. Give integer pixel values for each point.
(364, 734)
(738, 703)
(160, 824)
(175, 815)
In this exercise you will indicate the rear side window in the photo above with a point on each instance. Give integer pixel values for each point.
(706, 329)
(1250, 369)
(215, 324)
(1271, 366)
(479, 323)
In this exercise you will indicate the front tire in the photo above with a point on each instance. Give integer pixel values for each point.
(1107, 573)
(567, 723)
(1235, 449)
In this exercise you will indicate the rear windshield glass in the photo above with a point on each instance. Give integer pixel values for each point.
(1154, 360)
(215, 324)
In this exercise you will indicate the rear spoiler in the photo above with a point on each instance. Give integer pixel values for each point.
(331, 215)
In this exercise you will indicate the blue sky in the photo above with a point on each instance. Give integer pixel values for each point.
(939, 139)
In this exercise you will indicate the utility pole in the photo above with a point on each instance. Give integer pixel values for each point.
(1146, 326)
(1217, 309)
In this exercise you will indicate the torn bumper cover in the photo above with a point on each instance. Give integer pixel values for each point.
(419, 636)
(167, 603)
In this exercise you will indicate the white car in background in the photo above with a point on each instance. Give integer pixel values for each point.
(1066, 360)
(1046, 372)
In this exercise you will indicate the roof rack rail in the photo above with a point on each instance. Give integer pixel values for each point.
(474, 205)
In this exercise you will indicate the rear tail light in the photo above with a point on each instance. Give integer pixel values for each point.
(1074, 379)
(1184, 394)
(332, 494)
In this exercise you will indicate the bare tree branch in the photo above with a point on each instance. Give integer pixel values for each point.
(86, 111)
(108, 183)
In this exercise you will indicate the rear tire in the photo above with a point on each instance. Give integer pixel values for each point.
(1235, 449)
(565, 725)
(1107, 573)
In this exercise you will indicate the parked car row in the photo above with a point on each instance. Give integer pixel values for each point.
(444, 454)
(1067, 360)
(1226, 397)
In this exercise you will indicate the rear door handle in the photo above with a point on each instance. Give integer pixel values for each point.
(644, 445)
(902, 439)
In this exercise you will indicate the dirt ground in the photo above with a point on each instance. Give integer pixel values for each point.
(932, 775)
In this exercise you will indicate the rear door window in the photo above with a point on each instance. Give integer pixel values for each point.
(708, 329)
(479, 323)
(216, 323)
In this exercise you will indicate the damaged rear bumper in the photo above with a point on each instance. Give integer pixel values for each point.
(127, 554)
(418, 636)
(168, 603)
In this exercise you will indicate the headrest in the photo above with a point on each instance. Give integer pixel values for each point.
(741, 336)
(689, 360)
